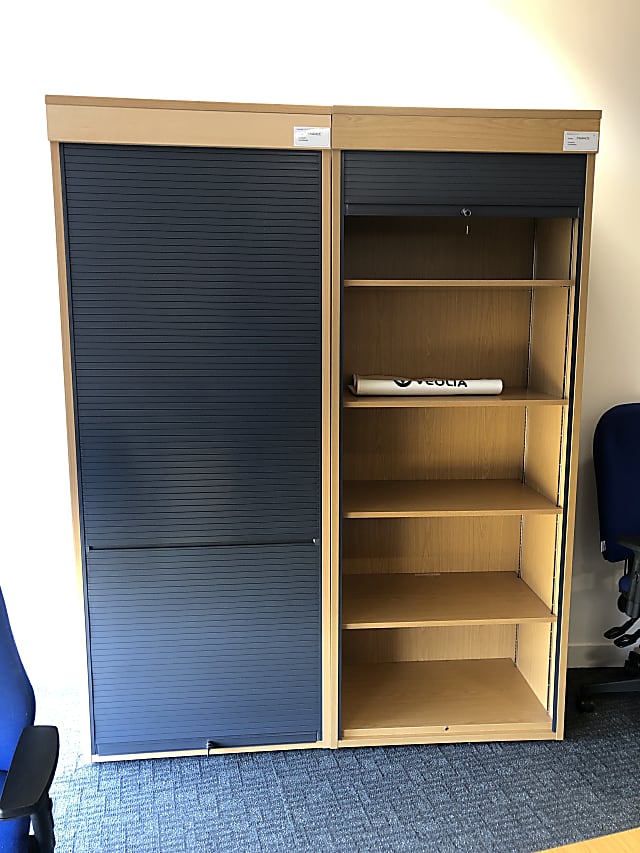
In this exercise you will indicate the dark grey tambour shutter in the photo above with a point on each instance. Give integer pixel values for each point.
(195, 288)
(195, 299)
(437, 178)
(198, 644)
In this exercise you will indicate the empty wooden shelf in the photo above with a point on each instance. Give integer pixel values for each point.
(425, 600)
(438, 700)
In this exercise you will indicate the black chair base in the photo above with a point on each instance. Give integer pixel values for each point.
(629, 683)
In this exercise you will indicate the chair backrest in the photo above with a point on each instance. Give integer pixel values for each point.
(616, 458)
(17, 702)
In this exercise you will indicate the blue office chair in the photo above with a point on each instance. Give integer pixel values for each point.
(616, 458)
(28, 756)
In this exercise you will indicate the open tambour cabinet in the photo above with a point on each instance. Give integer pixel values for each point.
(460, 250)
(266, 560)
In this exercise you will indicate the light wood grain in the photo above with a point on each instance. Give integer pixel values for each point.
(66, 362)
(433, 443)
(542, 452)
(187, 753)
(620, 842)
(533, 658)
(151, 104)
(506, 284)
(328, 699)
(455, 133)
(459, 642)
(415, 545)
(419, 498)
(509, 397)
(438, 248)
(419, 332)
(443, 112)
(133, 126)
(428, 600)
(438, 697)
(82, 100)
(336, 381)
(549, 337)
(553, 242)
(477, 734)
(538, 559)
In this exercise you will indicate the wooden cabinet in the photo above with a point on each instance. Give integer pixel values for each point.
(455, 511)
(197, 299)
(268, 559)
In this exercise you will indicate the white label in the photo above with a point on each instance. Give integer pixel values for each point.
(312, 137)
(576, 140)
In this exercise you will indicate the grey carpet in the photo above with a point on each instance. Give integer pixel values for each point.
(459, 797)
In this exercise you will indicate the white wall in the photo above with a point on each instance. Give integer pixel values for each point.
(473, 53)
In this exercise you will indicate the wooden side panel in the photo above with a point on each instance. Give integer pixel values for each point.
(471, 642)
(336, 383)
(425, 444)
(416, 545)
(141, 126)
(553, 242)
(542, 452)
(538, 565)
(534, 657)
(66, 359)
(328, 701)
(549, 328)
(455, 133)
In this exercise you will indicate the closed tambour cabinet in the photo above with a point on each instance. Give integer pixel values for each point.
(268, 560)
(194, 286)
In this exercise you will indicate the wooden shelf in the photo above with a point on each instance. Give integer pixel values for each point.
(509, 397)
(457, 697)
(422, 601)
(506, 283)
(430, 498)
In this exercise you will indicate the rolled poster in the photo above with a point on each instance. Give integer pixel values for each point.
(399, 386)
